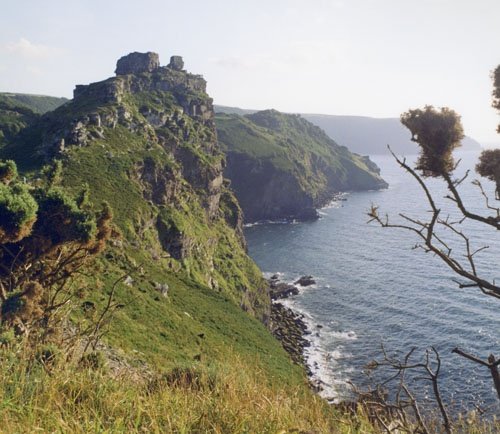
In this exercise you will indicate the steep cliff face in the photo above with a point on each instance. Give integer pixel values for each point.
(283, 167)
(145, 141)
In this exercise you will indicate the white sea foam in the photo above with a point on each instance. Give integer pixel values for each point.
(372, 296)
(337, 202)
(348, 336)
(271, 222)
(325, 371)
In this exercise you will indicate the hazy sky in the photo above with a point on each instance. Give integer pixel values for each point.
(354, 57)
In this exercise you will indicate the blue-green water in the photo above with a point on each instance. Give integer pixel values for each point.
(373, 288)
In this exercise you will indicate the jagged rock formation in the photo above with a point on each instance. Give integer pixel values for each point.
(152, 128)
(283, 167)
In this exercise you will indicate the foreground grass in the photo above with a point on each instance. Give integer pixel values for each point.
(60, 395)
(225, 398)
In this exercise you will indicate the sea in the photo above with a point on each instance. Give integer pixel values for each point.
(377, 291)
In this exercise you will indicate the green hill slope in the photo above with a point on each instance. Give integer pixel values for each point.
(145, 142)
(282, 166)
(362, 134)
(39, 104)
(14, 116)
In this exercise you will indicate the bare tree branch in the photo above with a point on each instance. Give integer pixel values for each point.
(427, 233)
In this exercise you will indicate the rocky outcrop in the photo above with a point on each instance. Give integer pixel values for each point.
(282, 290)
(286, 325)
(138, 77)
(153, 127)
(135, 63)
(290, 329)
(176, 63)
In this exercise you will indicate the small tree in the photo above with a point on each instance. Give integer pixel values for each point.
(46, 236)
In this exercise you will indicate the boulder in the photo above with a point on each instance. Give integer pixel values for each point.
(305, 281)
(282, 290)
(162, 288)
(135, 63)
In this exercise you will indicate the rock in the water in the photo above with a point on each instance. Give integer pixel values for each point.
(135, 63)
(176, 63)
(305, 281)
(282, 290)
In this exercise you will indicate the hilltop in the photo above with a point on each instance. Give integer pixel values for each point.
(189, 338)
(187, 343)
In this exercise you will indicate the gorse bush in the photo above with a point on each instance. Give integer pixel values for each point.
(438, 133)
(46, 236)
(18, 210)
(489, 167)
(8, 171)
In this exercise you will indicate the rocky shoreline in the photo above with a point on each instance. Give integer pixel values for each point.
(289, 327)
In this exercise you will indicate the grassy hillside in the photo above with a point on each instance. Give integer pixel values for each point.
(282, 166)
(14, 116)
(153, 156)
(232, 110)
(37, 103)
